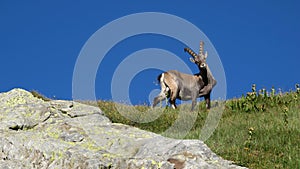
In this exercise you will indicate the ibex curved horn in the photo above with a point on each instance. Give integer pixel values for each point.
(191, 52)
(201, 52)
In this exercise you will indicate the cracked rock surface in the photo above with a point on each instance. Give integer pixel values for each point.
(66, 134)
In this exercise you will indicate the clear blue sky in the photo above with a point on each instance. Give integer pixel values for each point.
(257, 42)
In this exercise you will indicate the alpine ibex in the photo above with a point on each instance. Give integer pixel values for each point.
(177, 85)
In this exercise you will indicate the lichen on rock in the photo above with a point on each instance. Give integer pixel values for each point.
(66, 134)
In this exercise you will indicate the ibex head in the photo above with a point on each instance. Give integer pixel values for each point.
(198, 59)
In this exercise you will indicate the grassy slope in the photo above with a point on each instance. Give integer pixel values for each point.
(266, 138)
(259, 130)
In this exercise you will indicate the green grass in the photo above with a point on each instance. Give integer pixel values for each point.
(259, 130)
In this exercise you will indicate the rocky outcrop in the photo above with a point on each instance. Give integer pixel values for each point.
(66, 134)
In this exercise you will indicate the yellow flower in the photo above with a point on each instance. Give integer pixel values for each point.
(246, 148)
(251, 129)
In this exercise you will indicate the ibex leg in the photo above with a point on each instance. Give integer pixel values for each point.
(207, 100)
(173, 98)
(194, 100)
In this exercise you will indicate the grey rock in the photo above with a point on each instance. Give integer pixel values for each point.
(67, 134)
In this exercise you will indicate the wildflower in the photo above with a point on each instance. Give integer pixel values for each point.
(246, 148)
(285, 109)
(273, 91)
(253, 87)
(297, 88)
(250, 130)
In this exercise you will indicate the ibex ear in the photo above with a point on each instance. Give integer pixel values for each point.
(192, 60)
